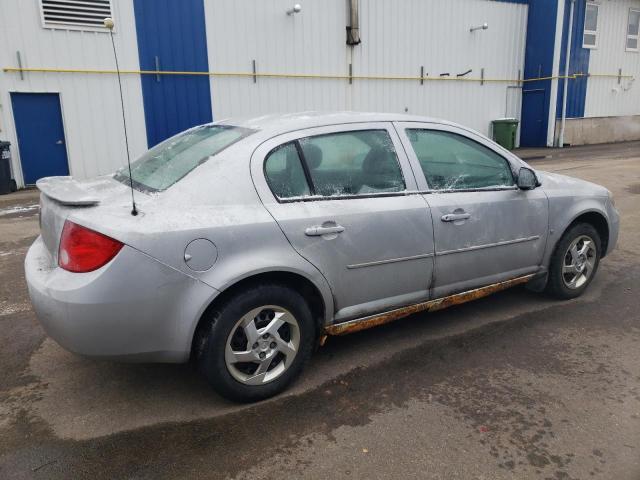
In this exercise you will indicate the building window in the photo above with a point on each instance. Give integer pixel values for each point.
(633, 30)
(590, 36)
(75, 14)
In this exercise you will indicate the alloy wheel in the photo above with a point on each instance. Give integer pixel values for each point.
(262, 345)
(579, 262)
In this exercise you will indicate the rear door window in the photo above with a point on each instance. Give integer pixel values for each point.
(453, 162)
(352, 163)
(284, 172)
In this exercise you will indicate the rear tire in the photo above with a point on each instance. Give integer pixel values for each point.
(257, 342)
(574, 262)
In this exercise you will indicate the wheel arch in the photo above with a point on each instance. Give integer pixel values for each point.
(597, 220)
(294, 280)
(593, 217)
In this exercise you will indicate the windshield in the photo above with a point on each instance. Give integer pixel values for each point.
(169, 161)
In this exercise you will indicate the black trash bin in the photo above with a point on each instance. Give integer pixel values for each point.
(7, 184)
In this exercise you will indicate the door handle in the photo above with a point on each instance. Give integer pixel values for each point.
(59, 142)
(454, 217)
(318, 230)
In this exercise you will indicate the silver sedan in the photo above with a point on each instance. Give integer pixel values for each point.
(255, 239)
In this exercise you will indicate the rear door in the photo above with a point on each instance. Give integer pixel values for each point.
(486, 230)
(341, 195)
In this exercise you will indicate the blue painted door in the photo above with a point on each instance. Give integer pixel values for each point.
(533, 131)
(171, 36)
(538, 63)
(38, 120)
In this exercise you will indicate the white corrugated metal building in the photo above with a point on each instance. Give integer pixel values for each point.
(187, 62)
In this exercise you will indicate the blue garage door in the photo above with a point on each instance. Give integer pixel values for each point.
(171, 36)
(38, 121)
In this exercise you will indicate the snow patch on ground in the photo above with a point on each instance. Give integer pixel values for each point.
(8, 308)
(17, 251)
(18, 209)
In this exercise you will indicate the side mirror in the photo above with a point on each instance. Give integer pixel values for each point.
(527, 179)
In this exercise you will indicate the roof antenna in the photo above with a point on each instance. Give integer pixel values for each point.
(108, 23)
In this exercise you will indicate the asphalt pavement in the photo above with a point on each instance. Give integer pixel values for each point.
(516, 385)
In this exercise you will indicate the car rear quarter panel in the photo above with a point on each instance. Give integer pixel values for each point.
(217, 202)
(134, 308)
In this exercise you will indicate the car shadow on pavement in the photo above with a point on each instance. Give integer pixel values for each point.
(85, 398)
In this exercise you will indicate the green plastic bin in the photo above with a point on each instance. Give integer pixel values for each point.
(504, 132)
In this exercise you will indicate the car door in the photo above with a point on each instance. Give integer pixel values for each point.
(486, 229)
(341, 196)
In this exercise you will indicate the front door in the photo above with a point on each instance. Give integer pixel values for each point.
(340, 195)
(38, 120)
(486, 230)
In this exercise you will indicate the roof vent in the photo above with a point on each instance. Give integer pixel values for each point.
(75, 14)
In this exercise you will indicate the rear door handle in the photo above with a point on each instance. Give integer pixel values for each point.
(318, 230)
(454, 217)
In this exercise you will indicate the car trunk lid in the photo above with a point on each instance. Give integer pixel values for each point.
(60, 197)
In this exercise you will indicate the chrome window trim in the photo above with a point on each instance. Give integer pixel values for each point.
(468, 190)
(319, 198)
(403, 193)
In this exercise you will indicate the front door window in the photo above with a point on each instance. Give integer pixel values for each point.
(452, 162)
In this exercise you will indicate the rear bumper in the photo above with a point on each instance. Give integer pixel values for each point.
(133, 309)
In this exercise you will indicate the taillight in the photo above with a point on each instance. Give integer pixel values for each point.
(83, 250)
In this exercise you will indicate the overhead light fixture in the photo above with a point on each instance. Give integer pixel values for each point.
(484, 26)
(297, 8)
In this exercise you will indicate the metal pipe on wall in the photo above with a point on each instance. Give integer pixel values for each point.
(567, 60)
(353, 29)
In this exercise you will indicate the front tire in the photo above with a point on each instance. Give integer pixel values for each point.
(574, 262)
(257, 342)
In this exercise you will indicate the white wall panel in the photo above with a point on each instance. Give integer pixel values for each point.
(397, 38)
(605, 97)
(90, 102)
(312, 41)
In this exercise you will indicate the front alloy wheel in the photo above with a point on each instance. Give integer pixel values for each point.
(574, 261)
(579, 262)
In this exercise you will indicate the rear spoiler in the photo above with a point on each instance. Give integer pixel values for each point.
(67, 191)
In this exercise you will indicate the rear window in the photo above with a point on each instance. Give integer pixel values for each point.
(169, 161)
